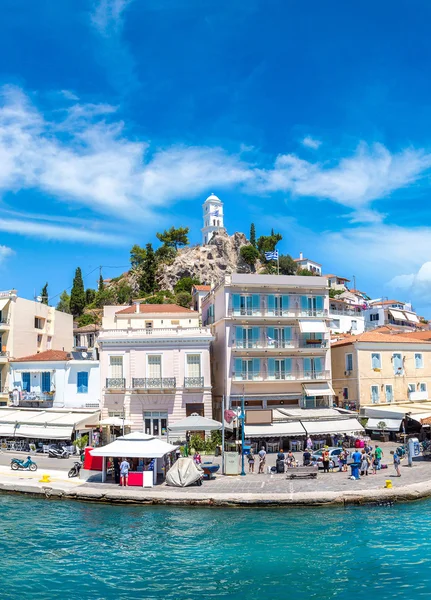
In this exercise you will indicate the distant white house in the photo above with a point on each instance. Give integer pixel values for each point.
(309, 265)
(55, 379)
(398, 314)
(198, 294)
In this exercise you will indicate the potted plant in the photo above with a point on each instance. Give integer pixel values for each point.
(80, 443)
(384, 437)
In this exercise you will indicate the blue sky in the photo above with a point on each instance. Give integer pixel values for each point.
(119, 117)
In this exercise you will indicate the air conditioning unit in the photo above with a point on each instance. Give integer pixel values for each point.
(347, 373)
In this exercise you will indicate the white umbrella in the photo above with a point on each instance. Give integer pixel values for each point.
(195, 423)
(135, 445)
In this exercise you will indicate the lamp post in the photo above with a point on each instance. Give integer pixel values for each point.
(242, 434)
(222, 435)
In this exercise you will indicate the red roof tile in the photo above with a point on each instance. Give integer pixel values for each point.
(379, 337)
(202, 288)
(48, 355)
(156, 309)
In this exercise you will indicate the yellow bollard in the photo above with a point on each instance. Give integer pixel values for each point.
(45, 479)
(388, 484)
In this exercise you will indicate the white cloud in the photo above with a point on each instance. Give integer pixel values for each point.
(107, 16)
(417, 285)
(5, 252)
(310, 142)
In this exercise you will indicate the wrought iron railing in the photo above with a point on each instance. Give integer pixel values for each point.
(271, 312)
(194, 382)
(281, 375)
(154, 383)
(117, 383)
(276, 344)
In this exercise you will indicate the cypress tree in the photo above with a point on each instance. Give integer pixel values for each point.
(77, 295)
(253, 235)
(44, 294)
(149, 268)
(101, 284)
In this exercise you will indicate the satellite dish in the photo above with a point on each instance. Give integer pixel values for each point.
(39, 298)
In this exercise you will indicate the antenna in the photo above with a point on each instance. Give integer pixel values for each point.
(354, 282)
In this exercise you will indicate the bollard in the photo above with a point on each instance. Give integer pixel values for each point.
(388, 484)
(45, 479)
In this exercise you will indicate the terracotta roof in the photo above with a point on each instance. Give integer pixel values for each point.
(86, 329)
(419, 335)
(337, 276)
(202, 288)
(309, 260)
(379, 337)
(385, 302)
(48, 355)
(156, 309)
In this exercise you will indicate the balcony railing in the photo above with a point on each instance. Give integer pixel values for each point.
(293, 313)
(347, 312)
(115, 383)
(282, 376)
(283, 344)
(4, 320)
(4, 353)
(154, 383)
(35, 399)
(194, 382)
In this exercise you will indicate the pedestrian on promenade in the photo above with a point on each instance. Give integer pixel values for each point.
(365, 463)
(197, 458)
(124, 473)
(397, 462)
(343, 459)
(357, 458)
(262, 460)
(280, 455)
(325, 459)
(290, 460)
(309, 443)
(306, 458)
(378, 453)
(250, 459)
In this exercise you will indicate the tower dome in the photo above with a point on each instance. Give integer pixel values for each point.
(212, 217)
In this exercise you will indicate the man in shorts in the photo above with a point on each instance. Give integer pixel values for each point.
(262, 460)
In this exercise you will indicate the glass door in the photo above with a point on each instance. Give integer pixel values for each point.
(280, 369)
(245, 305)
(279, 337)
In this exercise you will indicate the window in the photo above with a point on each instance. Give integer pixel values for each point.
(116, 367)
(247, 369)
(25, 378)
(77, 340)
(90, 340)
(346, 393)
(376, 360)
(374, 316)
(419, 363)
(397, 362)
(49, 342)
(349, 362)
(193, 365)
(155, 423)
(411, 388)
(354, 325)
(82, 382)
(46, 382)
(148, 325)
(389, 394)
(39, 339)
(422, 387)
(335, 324)
(374, 394)
(154, 366)
(38, 323)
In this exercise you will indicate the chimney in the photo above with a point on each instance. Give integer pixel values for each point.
(136, 307)
(301, 256)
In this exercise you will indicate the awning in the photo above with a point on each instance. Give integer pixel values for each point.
(46, 424)
(411, 317)
(195, 423)
(135, 445)
(391, 424)
(332, 426)
(312, 326)
(116, 422)
(275, 430)
(397, 314)
(7, 430)
(3, 302)
(44, 433)
(318, 389)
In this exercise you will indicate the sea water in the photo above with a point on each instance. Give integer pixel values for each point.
(58, 549)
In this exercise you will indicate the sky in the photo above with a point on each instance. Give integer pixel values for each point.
(119, 117)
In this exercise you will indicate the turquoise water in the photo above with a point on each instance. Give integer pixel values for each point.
(52, 549)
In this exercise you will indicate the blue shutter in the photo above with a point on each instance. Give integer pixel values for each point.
(255, 335)
(271, 368)
(236, 301)
(319, 303)
(25, 378)
(304, 303)
(271, 305)
(270, 333)
(307, 367)
(238, 337)
(287, 334)
(46, 382)
(288, 367)
(285, 302)
(255, 303)
(318, 366)
(238, 369)
(256, 367)
(82, 382)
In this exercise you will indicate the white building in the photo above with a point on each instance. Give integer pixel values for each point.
(212, 217)
(400, 315)
(309, 265)
(345, 317)
(155, 366)
(198, 294)
(55, 379)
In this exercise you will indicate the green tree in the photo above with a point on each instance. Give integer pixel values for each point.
(87, 319)
(249, 255)
(77, 295)
(253, 235)
(305, 273)
(267, 243)
(105, 297)
(165, 254)
(287, 265)
(124, 293)
(185, 284)
(64, 302)
(334, 293)
(44, 294)
(147, 282)
(174, 237)
(90, 295)
(137, 256)
(100, 285)
(183, 299)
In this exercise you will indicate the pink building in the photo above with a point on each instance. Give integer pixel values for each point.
(155, 366)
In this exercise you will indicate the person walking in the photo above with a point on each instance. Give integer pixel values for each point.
(306, 458)
(365, 463)
(397, 462)
(124, 473)
(262, 460)
(325, 460)
(378, 454)
(309, 443)
(250, 459)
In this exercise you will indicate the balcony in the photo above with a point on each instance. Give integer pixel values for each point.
(196, 383)
(4, 322)
(154, 383)
(115, 383)
(288, 313)
(348, 312)
(35, 399)
(282, 376)
(4, 355)
(297, 343)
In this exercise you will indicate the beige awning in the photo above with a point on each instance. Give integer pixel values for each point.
(312, 326)
(397, 314)
(411, 317)
(44, 433)
(318, 389)
(275, 430)
(332, 426)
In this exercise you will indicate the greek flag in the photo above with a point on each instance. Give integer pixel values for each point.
(271, 255)
(215, 213)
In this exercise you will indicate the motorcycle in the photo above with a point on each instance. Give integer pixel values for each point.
(74, 471)
(17, 463)
(55, 452)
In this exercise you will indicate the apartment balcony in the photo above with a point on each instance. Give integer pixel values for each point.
(115, 383)
(4, 356)
(282, 376)
(347, 312)
(4, 323)
(288, 313)
(35, 399)
(156, 333)
(196, 383)
(149, 384)
(293, 344)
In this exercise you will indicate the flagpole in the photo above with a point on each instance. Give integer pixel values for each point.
(278, 266)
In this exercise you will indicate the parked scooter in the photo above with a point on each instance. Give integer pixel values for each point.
(56, 452)
(74, 471)
(17, 463)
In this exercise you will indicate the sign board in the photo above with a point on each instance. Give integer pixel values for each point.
(258, 417)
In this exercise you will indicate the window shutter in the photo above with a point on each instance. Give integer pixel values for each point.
(255, 333)
(270, 333)
(271, 368)
(288, 333)
(319, 303)
(304, 303)
(307, 366)
(285, 302)
(288, 366)
(46, 382)
(236, 300)
(238, 368)
(256, 367)
(318, 365)
(25, 378)
(255, 302)
(271, 304)
(238, 337)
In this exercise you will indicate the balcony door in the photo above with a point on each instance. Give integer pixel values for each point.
(155, 423)
(116, 367)
(247, 369)
(312, 368)
(193, 366)
(154, 366)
